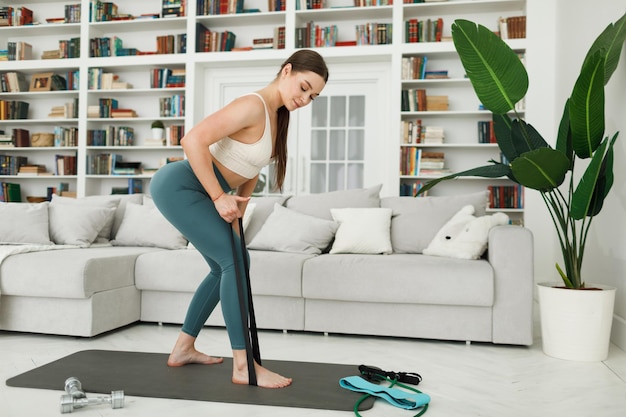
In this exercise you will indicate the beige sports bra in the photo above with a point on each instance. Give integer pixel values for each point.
(245, 159)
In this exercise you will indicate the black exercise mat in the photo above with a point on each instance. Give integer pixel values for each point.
(315, 385)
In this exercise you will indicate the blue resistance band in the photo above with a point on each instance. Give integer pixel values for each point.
(396, 397)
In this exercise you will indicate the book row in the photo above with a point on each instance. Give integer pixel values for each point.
(111, 164)
(21, 138)
(513, 27)
(486, 133)
(10, 192)
(63, 164)
(413, 131)
(414, 68)
(416, 161)
(13, 109)
(506, 196)
(321, 4)
(429, 30)
(173, 106)
(15, 16)
(125, 136)
(108, 47)
(167, 77)
(415, 99)
(211, 41)
(410, 189)
(111, 136)
(14, 82)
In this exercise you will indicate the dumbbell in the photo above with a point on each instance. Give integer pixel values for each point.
(74, 388)
(76, 397)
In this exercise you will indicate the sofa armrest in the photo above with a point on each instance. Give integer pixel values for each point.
(511, 257)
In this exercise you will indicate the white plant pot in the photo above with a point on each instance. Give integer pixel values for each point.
(576, 324)
(157, 133)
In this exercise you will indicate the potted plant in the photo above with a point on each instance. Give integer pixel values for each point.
(500, 81)
(158, 130)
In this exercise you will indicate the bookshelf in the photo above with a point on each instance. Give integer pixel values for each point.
(434, 69)
(140, 35)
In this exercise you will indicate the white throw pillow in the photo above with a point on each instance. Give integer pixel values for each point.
(287, 230)
(24, 223)
(362, 230)
(94, 201)
(77, 224)
(144, 225)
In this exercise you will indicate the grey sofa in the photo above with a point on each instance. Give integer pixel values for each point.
(89, 290)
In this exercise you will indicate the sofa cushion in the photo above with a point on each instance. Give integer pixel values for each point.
(263, 207)
(79, 225)
(319, 205)
(144, 225)
(29, 223)
(287, 230)
(416, 221)
(113, 202)
(68, 273)
(118, 201)
(362, 230)
(399, 278)
(271, 273)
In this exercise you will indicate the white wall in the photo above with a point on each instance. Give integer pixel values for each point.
(560, 34)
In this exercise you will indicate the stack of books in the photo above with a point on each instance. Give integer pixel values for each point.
(66, 111)
(432, 164)
(432, 134)
(33, 170)
(6, 141)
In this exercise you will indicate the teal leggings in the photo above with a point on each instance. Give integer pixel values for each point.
(183, 201)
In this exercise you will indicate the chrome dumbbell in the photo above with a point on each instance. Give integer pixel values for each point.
(76, 397)
(74, 388)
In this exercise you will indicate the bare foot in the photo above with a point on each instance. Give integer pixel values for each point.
(264, 377)
(180, 358)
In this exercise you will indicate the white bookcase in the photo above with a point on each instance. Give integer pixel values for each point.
(461, 146)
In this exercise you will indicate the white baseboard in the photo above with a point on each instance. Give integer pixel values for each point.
(618, 332)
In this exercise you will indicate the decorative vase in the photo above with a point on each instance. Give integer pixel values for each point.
(576, 324)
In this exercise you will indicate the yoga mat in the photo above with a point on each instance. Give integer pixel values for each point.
(315, 385)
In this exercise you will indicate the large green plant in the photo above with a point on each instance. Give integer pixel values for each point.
(500, 81)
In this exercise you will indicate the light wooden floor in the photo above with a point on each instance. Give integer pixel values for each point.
(463, 380)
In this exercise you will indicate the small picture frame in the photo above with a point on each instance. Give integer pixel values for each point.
(41, 82)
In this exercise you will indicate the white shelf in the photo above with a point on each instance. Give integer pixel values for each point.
(334, 14)
(243, 19)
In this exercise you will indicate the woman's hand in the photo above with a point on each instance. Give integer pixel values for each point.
(227, 206)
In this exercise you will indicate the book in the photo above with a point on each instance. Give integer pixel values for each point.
(12, 192)
(135, 186)
(121, 113)
(21, 137)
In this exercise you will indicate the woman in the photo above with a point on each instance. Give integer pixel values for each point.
(225, 152)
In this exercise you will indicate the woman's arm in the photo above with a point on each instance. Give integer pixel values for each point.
(240, 115)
